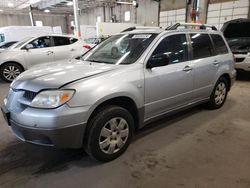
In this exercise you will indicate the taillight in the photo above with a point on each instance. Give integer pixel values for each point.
(87, 46)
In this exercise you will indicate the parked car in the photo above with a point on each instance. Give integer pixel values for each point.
(17, 33)
(237, 33)
(124, 83)
(6, 45)
(36, 50)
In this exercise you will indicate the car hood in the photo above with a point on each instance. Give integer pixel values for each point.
(54, 76)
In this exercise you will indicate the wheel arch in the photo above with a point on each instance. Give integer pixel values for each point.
(13, 62)
(227, 77)
(123, 101)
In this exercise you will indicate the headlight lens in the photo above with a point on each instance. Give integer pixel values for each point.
(52, 98)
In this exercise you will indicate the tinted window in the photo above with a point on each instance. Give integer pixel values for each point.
(42, 42)
(175, 47)
(61, 41)
(202, 46)
(2, 38)
(219, 44)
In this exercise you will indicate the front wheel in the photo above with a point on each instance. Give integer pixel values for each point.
(110, 132)
(219, 94)
(9, 71)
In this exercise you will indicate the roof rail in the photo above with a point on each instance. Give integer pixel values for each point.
(139, 28)
(202, 26)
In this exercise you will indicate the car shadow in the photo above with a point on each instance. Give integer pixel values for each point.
(243, 75)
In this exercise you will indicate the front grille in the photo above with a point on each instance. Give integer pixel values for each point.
(30, 95)
(238, 60)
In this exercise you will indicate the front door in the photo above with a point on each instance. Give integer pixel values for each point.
(39, 51)
(168, 87)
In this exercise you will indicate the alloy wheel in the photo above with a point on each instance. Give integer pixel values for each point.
(220, 93)
(114, 135)
(11, 72)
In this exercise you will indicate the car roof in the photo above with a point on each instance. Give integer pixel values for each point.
(53, 34)
(158, 31)
(178, 27)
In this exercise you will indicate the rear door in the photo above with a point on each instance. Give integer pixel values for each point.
(65, 47)
(168, 87)
(205, 64)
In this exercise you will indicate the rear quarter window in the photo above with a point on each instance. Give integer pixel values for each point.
(219, 44)
(201, 45)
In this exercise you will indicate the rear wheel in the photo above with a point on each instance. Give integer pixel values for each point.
(219, 94)
(9, 71)
(110, 132)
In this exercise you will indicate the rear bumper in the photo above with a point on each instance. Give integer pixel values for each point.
(63, 137)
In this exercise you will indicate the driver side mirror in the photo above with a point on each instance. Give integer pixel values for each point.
(28, 46)
(158, 60)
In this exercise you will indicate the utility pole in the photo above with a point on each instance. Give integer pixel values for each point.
(76, 18)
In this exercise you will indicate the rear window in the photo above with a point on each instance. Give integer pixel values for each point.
(61, 41)
(219, 44)
(202, 46)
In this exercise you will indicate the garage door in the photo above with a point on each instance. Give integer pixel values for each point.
(220, 13)
(171, 17)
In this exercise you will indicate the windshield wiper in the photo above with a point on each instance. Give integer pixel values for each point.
(95, 61)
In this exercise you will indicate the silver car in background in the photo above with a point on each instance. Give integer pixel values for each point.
(125, 82)
(36, 50)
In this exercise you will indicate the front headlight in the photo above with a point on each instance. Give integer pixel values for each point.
(52, 98)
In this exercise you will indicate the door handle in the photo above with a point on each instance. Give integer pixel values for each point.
(49, 52)
(73, 50)
(187, 68)
(216, 62)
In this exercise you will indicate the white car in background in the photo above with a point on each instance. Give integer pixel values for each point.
(37, 50)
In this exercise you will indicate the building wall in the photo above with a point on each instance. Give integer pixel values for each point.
(179, 4)
(24, 20)
(146, 14)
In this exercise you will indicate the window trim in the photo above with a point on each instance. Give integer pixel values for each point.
(159, 40)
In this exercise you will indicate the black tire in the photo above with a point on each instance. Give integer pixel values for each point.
(96, 125)
(214, 102)
(14, 69)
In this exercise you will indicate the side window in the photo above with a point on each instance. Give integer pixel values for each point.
(61, 41)
(175, 46)
(202, 46)
(219, 44)
(41, 42)
(2, 38)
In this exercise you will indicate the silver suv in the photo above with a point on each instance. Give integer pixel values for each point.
(125, 82)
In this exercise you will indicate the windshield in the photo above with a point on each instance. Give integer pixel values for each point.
(20, 43)
(120, 49)
(2, 38)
